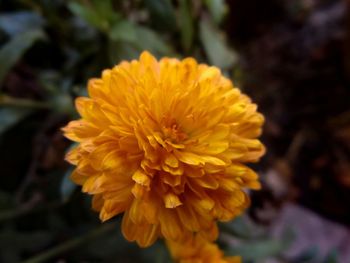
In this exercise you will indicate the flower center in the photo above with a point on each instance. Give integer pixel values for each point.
(172, 131)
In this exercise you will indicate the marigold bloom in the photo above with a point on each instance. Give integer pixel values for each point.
(165, 142)
(199, 250)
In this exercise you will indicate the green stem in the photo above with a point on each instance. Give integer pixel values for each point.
(10, 101)
(71, 244)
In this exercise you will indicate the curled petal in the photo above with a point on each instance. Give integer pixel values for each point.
(165, 142)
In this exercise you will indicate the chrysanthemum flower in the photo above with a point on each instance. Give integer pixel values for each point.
(198, 250)
(165, 142)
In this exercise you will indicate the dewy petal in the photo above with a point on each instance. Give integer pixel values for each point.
(165, 142)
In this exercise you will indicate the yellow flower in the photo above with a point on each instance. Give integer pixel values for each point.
(165, 142)
(198, 250)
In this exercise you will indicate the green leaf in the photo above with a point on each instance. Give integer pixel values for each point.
(119, 51)
(99, 14)
(240, 227)
(15, 48)
(105, 10)
(89, 15)
(215, 46)
(125, 42)
(186, 24)
(162, 14)
(20, 22)
(124, 31)
(258, 250)
(10, 116)
(217, 8)
(152, 42)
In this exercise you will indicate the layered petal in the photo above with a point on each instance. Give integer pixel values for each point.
(165, 142)
(198, 250)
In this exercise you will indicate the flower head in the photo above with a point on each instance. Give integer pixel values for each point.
(199, 250)
(165, 142)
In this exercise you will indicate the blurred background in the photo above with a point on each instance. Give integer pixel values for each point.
(291, 57)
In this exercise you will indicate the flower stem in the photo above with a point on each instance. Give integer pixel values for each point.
(19, 102)
(71, 244)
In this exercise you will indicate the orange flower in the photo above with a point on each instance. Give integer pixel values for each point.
(198, 250)
(165, 142)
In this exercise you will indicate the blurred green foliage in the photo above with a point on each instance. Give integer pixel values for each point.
(49, 49)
